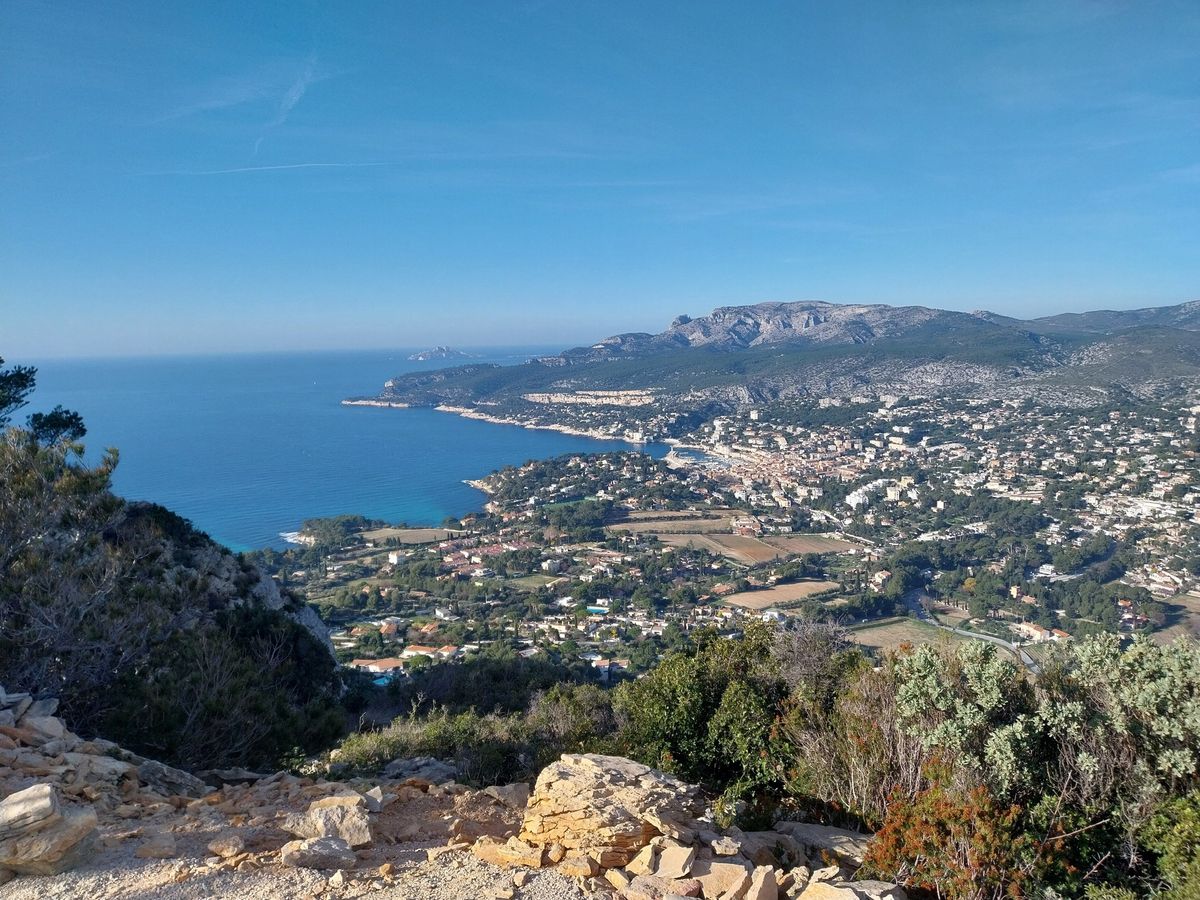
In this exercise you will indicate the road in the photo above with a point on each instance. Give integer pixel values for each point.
(915, 601)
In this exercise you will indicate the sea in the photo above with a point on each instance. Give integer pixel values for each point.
(248, 446)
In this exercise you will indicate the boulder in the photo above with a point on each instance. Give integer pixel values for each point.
(512, 852)
(879, 890)
(514, 796)
(342, 816)
(221, 777)
(828, 890)
(608, 805)
(41, 729)
(163, 779)
(158, 845)
(768, 848)
(375, 799)
(763, 885)
(227, 844)
(718, 878)
(39, 836)
(420, 768)
(850, 847)
(675, 862)
(318, 853)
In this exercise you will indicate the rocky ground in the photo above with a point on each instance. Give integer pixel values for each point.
(87, 819)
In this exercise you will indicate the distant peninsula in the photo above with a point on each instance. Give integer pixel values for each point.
(439, 353)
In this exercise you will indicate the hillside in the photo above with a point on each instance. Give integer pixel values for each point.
(146, 630)
(780, 350)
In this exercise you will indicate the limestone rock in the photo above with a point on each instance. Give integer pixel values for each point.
(514, 796)
(227, 844)
(318, 853)
(159, 845)
(763, 885)
(168, 781)
(725, 846)
(675, 862)
(769, 848)
(512, 852)
(423, 768)
(39, 836)
(718, 878)
(340, 816)
(644, 862)
(578, 865)
(879, 890)
(826, 890)
(375, 800)
(607, 804)
(848, 846)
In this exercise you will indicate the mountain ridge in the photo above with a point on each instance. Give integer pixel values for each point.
(765, 351)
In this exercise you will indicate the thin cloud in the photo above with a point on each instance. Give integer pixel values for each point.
(291, 97)
(280, 168)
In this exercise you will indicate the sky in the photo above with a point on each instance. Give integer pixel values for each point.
(243, 176)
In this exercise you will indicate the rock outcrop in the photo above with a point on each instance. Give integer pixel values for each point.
(608, 807)
(602, 827)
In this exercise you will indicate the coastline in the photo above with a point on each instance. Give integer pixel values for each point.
(468, 413)
(387, 404)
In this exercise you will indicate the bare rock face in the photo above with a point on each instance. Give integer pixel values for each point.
(39, 836)
(608, 806)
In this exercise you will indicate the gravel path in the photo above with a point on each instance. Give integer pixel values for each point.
(116, 874)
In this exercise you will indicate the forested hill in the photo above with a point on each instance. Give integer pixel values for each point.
(148, 632)
(779, 350)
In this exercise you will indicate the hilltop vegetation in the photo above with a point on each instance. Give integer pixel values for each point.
(148, 632)
(980, 782)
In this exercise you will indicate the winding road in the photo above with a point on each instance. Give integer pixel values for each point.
(915, 600)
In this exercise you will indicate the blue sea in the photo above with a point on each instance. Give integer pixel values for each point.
(248, 446)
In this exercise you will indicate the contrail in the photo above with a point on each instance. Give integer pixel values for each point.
(243, 169)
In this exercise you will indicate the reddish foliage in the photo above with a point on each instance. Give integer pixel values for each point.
(959, 845)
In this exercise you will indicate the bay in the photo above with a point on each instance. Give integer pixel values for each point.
(248, 446)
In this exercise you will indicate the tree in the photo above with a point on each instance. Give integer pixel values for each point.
(16, 384)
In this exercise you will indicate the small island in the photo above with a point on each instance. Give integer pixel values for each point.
(439, 353)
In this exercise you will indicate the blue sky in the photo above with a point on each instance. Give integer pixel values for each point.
(229, 176)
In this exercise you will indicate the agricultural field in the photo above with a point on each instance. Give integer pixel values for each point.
(889, 634)
(780, 594)
(1183, 618)
(651, 515)
(533, 582)
(409, 535)
(810, 543)
(746, 550)
(667, 522)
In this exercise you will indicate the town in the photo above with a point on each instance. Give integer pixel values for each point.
(906, 520)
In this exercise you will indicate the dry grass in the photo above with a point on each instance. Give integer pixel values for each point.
(781, 593)
(1183, 618)
(891, 635)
